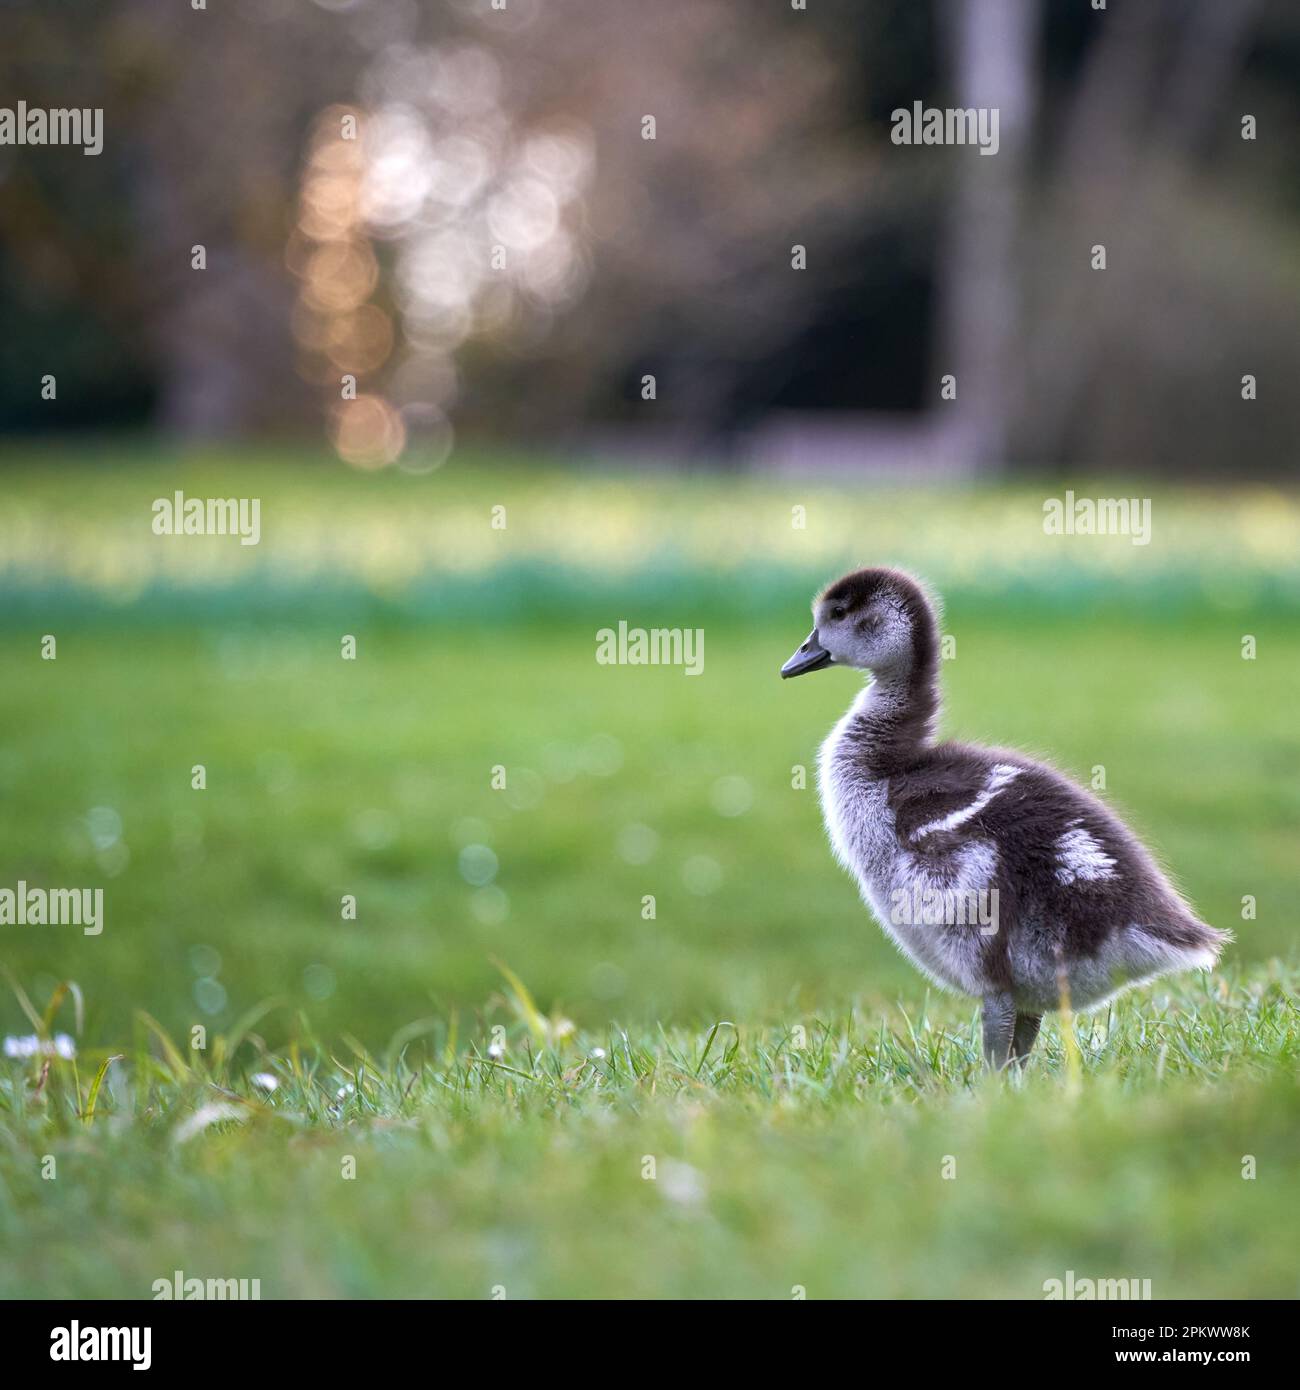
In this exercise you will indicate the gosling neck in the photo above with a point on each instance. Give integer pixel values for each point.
(892, 719)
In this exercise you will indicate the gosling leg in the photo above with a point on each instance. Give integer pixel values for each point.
(1022, 1040)
(999, 1016)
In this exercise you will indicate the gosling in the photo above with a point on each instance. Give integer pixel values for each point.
(994, 875)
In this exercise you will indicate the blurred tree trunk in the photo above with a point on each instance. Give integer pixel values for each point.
(993, 58)
(1153, 81)
(219, 103)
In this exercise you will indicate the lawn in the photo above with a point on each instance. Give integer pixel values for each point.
(866, 1156)
(805, 1144)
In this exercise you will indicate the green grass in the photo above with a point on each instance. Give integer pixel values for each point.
(327, 778)
(785, 1157)
(867, 1156)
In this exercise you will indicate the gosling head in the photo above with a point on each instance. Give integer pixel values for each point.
(876, 620)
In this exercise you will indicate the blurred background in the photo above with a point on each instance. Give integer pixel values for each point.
(499, 250)
(454, 207)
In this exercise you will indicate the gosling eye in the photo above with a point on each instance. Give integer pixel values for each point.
(837, 613)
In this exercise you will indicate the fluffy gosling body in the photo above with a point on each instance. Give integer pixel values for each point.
(994, 874)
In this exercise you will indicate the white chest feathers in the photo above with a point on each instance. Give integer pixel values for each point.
(936, 907)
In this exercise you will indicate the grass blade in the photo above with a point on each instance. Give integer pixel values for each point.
(89, 1113)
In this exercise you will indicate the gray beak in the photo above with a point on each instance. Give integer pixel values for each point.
(812, 656)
